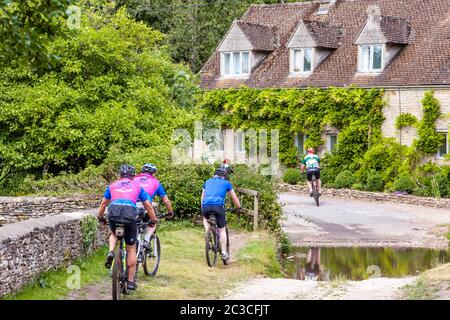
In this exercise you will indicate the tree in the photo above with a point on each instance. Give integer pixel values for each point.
(26, 28)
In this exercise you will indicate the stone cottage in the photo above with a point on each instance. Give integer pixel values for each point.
(402, 46)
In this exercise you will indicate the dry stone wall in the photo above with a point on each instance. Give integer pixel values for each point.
(31, 247)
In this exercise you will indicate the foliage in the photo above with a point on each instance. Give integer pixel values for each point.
(27, 27)
(114, 86)
(429, 140)
(405, 120)
(89, 226)
(345, 179)
(292, 176)
(405, 183)
(374, 181)
(357, 113)
(358, 186)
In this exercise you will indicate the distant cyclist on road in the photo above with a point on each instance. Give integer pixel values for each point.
(122, 196)
(214, 193)
(153, 187)
(312, 164)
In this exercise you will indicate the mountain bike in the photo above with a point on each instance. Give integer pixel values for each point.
(316, 194)
(212, 242)
(148, 257)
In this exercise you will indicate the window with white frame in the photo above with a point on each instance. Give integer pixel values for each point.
(240, 141)
(301, 60)
(444, 147)
(235, 64)
(332, 141)
(370, 58)
(300, 142)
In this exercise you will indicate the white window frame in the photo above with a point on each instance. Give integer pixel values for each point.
(370, 69)
(296, 142)
(302, 60)
(329, 135)
(232, 68)
(239, 145)
(440, 156)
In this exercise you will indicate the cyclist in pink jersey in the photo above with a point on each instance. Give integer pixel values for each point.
(153, 187)
(122, 196)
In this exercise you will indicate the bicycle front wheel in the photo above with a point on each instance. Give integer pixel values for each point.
(211, 248)
(152, 257)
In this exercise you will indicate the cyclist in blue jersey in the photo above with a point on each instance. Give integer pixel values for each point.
(214, 194)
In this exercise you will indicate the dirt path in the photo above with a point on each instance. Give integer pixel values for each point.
(102, 290)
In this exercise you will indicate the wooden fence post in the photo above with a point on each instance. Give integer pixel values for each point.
(256, 214)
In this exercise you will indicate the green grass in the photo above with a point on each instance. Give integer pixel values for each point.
(432, 284)
(183, 272)
(52, 285)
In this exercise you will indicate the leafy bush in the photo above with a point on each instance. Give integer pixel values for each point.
(358, 186)
(405, 120)
(374, 181)
(292, 176)
(345, 179)
(405, 183)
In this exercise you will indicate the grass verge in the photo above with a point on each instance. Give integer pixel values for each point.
(431, 285)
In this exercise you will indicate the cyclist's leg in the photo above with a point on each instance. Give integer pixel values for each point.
(319, 182)
(112, 243)
(130, 240)
(205, 215)
(221, 224)
(309, 181)
(149, 231)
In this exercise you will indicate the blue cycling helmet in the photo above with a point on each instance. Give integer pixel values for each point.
(149, 168)
(127, 171)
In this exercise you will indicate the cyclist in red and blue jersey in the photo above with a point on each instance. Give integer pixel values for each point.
(214, 194)
(122, 197)
(153, 187)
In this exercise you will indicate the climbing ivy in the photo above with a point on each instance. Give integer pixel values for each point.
(429, 139)
(406, 120)
(356, 113)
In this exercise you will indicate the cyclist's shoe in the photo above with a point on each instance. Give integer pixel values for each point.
(146, 246)
(320, 193)
(311, 194)
(109, 260)
(225, 256)
(131, 285)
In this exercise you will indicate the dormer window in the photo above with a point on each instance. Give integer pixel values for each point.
(302, 60)
(311, 43)
(371, 58)
(235, 64)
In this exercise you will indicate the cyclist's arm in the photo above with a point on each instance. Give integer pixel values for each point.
(102, 209)
(167, 203)
(234, 198)
(203, 196)
(149, 208)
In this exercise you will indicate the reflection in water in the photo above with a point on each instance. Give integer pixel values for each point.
(323, 264)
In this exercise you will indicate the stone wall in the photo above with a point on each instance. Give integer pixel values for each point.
(372, 196)
(31, 247)
(15, 209)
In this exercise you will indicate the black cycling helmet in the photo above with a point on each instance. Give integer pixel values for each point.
(221, 172)
(227, 168)
(149, 168)
(127, 171)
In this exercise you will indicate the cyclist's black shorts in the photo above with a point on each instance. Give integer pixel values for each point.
(125, 215)
(218, 211)
(312, 172)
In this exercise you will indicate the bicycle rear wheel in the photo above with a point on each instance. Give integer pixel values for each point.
(211, 247)
(227, 261)
(152, 258)
(116, 273)
(316, 193)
